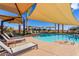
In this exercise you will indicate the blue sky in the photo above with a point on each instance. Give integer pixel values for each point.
(75, 11)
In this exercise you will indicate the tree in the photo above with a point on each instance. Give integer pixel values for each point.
(10, 29)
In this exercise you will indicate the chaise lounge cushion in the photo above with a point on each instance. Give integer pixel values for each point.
(14, 38)
(17, 48)
(23, 47)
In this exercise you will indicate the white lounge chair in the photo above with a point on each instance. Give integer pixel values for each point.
(10, 41)
(15, 35)
(14, 38)
(18, 49)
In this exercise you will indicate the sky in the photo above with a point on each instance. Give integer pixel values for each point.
(75, 11)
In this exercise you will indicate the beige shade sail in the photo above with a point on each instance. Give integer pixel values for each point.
(56, 13)
(15, 20)
(11, 7)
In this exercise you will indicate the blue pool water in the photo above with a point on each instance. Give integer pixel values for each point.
(57, 37)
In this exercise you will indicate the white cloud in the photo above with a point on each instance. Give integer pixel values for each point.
(75, 5)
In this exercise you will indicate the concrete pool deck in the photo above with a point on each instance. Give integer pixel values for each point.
(51, 49)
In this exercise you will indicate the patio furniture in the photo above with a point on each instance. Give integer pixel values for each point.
(18, 49)
(14, 38)
(10, 41)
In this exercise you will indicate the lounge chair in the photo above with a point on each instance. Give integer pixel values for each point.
(12, 35)
(10, 41)
(14, 38)
(18, 49)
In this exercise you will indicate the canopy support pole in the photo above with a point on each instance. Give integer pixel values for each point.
(24, 26)
(2, 25)
(58, 27)
(19, 27)
(55, 27)
(62, 28)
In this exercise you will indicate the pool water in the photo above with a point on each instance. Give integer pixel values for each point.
(57, 37)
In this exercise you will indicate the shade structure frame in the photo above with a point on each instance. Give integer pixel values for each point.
(18, 8)
(8, 19)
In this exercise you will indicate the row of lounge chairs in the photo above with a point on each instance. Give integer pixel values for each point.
(10, 40)
(17, 49)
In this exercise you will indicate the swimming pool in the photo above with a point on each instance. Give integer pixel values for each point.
(57, 37)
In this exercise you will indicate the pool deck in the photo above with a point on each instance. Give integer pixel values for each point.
(51, 49)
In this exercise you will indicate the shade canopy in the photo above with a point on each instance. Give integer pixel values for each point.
(11, 19)
(11, 7)
(59, 13)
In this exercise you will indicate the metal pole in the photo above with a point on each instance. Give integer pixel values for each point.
(19, 27)
(58, 28)
(24, 26)
(27, 24)
(2, 27)
(55, 27)
(62, 28)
